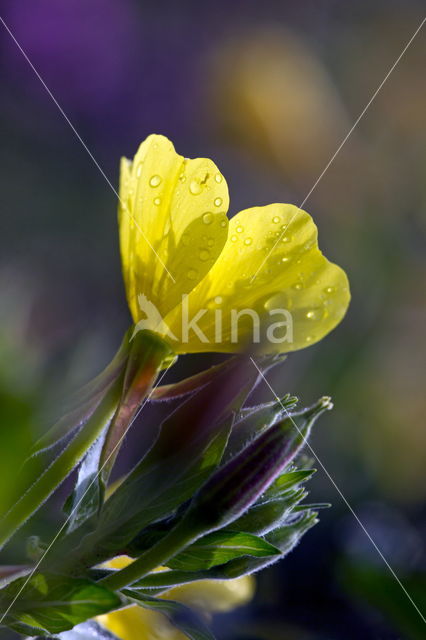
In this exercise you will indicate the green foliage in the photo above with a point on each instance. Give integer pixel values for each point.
(220, 547)
(54, 603)
(219, 495)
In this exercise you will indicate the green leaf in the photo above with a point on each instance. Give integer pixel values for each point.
(266, 516)
(180, 616)
(238, 484)
(86, 499)
(284, 538)
(253, 421)
(54, 603)
(220, 547)
(286, 481)
(163, 490)
(189, 448)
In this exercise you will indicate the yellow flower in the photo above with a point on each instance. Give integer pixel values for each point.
(184, 261)
(209, 596)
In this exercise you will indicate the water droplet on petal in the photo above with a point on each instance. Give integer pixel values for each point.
(308, 339)
(287, 239)
(195, 188)
(157, 201)
(233, 238)
(207, 218)
(139, 170)
(182, 177)
(218, 178)
(204, 255)
(248, 241)
(277, 301)
(276, 219)
(329, 290)
(192, 274)
(223, 223)
(239, 229)
(285, 259)
(298, 286)
(210, 242)
(155, 181)
(218, 202)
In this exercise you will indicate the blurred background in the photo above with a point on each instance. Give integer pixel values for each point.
(268, 90)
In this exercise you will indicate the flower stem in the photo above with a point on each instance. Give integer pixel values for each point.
(181, 536)
(54, 475)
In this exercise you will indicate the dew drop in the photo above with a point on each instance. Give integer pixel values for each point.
(139, 170)
(277, 301)
(210, 242)
(155, 181)
(248, 241)
(157, 201)
(207, 218)
(285, 259)
(233, 238)
(195, 188)
(329, 290)
(298, 286)
(192, 274)
(308, 339)
(182, 177)
(276, 219)
(286, 239)
(218, 202)
(218, 178)
(311, 315)
(204, 255)
(239, 229)
(223, 223)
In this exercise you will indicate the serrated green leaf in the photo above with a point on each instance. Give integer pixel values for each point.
(54, 603)
(180, 616)
(220, 547)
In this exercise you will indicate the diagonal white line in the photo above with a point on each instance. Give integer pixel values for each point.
(37, 566)
(84, 145)
(341, 145)
(359, 521)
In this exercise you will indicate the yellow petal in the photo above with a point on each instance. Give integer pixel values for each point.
(257, 273)
(215, 595)
(136, 623)
(173, 225)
